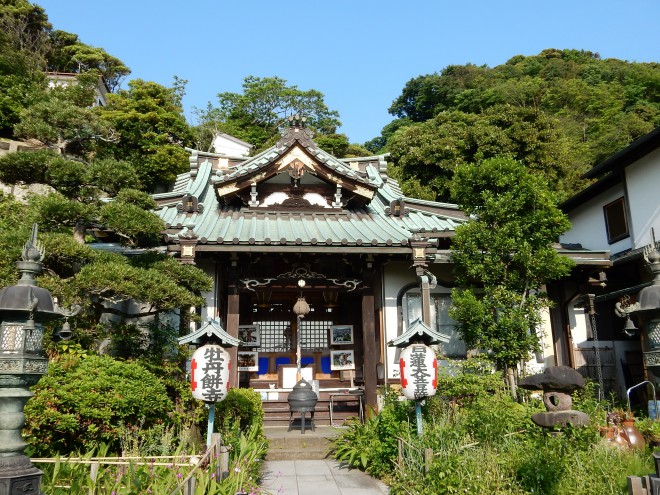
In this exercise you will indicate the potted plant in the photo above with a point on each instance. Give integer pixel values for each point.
(626, 434)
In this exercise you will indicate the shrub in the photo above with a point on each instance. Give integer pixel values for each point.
(484, 442)
(372, 446)
(242, 405)
(77, 406)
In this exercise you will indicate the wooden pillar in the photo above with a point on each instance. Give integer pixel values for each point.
(233, 314)
(371, 351)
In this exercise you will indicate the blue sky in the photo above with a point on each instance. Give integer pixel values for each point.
(359, 53)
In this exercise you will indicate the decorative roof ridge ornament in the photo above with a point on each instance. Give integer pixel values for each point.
(31, 256)
(214, 333)
(418, 331)
(296, 131)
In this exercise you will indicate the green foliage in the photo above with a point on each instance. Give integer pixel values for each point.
(431, 151)
(256, 114)
(483, 441)
(372, 446)
(152, 130)
(68, 54)
(503, 257)
(463, 380)
(79, 406)
(148, 476)
(241, 406)
(113, 176)
(63, 120)
(23, 42)
(559, 112)
(27, 168)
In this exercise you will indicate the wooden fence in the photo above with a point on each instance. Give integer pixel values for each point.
(185, 487)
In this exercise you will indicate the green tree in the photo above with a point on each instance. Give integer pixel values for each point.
(429, 152)
(574, 110)
(63, 119)
(74, 271)
(23, 43)
(79, 405)
(151, 130)
(503, 258)
(68, 54)
(256, 114)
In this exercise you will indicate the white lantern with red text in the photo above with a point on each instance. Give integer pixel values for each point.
(419, 371)
(209, 373)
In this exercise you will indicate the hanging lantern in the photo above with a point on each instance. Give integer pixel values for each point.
(209, 377)
(419, 371)
(301, 308)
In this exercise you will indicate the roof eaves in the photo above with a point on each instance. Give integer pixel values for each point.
(633, 152)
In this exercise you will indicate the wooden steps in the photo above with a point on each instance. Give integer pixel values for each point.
(277, 412)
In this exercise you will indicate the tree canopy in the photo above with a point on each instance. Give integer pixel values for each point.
(151, 130)
(560, 112)
(504, 256)
(256, 114)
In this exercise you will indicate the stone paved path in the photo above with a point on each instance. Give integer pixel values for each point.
(317, 477)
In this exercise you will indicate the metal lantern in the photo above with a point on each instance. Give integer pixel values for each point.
(209, 377)
(419, 372)
(24, 308)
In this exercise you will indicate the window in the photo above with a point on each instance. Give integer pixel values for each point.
(314, 335)
(616, 221)
(440, 304)
(275, 335)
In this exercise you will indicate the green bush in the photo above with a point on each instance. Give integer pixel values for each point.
(241, 406)
(78, 406)
(484, 442)
(372, 446)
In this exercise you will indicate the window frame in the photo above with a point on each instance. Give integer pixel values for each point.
(608, 212)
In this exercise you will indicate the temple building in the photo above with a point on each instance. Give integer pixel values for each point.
(294, 226)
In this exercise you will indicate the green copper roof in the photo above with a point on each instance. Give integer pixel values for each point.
(370, 226)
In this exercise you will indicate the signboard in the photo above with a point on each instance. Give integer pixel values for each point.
(209, 373)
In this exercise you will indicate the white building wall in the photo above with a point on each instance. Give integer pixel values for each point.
(211, 308)
(588, 224)
(396, 275)
(399, 274)
(229, 147)
(643, 183)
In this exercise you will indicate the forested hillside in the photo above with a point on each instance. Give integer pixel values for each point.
(560, 112)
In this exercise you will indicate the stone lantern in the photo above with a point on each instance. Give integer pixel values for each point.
(24, 308)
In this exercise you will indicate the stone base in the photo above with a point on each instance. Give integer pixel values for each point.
(560, 419)
(19, 476)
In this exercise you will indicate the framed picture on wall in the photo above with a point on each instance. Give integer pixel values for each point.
(342, 360)
(341, 334)
(248, 361)
(249, 335)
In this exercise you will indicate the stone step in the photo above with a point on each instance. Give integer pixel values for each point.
(293, 445)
